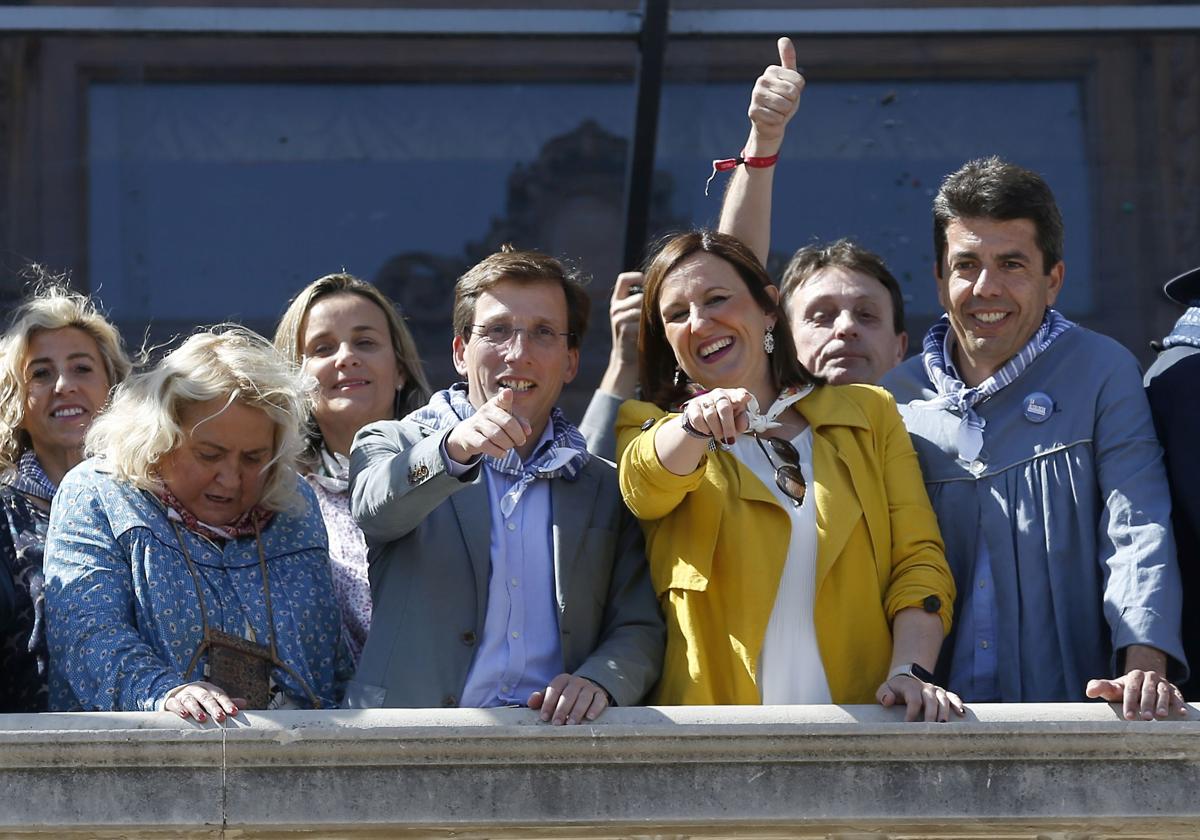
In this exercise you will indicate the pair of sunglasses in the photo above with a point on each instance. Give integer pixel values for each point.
(788, 476)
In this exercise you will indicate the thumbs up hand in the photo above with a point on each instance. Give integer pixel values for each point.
(787, 53)
(774, 101)
(492, 430)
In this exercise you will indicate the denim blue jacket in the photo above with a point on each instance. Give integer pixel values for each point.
(1074, 510)
(123, 616)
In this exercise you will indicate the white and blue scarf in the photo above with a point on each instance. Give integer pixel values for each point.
(1186, 331)
(953, 393)
(563, 456)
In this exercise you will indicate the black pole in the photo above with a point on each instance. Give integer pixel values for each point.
(652, 48)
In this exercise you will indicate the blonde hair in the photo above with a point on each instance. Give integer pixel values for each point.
(51, 306)
(226, 362)
(289, 339)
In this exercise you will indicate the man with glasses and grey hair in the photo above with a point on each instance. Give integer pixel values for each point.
(505, 568)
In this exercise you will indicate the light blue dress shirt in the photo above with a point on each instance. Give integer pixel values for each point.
(520, 651)
(974, 665)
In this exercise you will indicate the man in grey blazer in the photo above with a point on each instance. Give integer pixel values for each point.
(505, 569)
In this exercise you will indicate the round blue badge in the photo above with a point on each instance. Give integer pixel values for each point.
(1038, 407)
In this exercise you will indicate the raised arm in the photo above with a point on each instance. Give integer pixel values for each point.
(400, 471)
(662, 461)
(620, 377)
(398, 475)
(746, 211)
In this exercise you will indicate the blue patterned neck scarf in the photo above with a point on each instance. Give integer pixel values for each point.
(1186, 331)
(29, 478)
(565, 455)
(953, 393)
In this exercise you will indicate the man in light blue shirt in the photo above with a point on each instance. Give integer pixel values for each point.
(505, 569)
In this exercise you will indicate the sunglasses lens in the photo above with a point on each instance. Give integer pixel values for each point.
(791, 481)
(785, 450)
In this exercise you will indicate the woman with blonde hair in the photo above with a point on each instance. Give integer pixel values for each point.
(187, 567)
(350, 339)
(58, 362)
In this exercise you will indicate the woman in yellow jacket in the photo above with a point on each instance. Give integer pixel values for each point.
(791, 542)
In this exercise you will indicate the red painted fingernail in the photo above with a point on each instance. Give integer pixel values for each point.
(183, 713)
(200, 717)
(235, 710)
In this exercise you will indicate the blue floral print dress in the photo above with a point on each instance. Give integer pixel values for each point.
(124, 619)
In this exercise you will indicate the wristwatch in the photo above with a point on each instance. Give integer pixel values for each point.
(912, 669)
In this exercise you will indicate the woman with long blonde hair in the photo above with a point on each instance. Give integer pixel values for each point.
(58, 362)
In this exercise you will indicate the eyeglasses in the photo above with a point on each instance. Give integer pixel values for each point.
(788, 476)
(500, 335)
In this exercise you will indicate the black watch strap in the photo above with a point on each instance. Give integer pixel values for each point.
(912, 669)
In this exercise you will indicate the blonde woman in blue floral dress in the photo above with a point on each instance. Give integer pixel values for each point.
(187, 567)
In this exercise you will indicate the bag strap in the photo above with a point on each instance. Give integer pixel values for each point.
(206, 640)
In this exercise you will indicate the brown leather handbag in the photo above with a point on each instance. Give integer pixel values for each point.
(240, 667)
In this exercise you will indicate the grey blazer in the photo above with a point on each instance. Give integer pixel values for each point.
(428, 536)
(599, 424)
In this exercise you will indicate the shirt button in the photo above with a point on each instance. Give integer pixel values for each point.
(983, 584)
(515, 582)
(512, 526)
(977, 467)
(516, 635)
(505, 688)
(984, 644)
(468, 638)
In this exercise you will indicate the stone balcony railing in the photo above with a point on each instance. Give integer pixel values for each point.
(1064, 772)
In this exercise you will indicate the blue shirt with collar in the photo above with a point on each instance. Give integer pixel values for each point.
(520, 651)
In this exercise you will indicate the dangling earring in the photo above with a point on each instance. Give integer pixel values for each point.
(680, 377)
(769, 340)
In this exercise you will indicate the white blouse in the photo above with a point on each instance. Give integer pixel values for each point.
(790, 670)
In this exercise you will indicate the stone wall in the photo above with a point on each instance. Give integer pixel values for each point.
(1046, 771)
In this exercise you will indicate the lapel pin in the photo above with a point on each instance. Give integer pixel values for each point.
(1038, 407)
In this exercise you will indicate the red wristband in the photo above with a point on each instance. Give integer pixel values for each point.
(741, 160)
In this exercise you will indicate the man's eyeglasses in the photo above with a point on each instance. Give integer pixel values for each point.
(500, 335)
(788, 476)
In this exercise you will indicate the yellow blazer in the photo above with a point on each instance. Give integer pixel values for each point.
(717, 539)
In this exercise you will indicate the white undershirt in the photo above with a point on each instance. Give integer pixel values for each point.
(790, 670)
